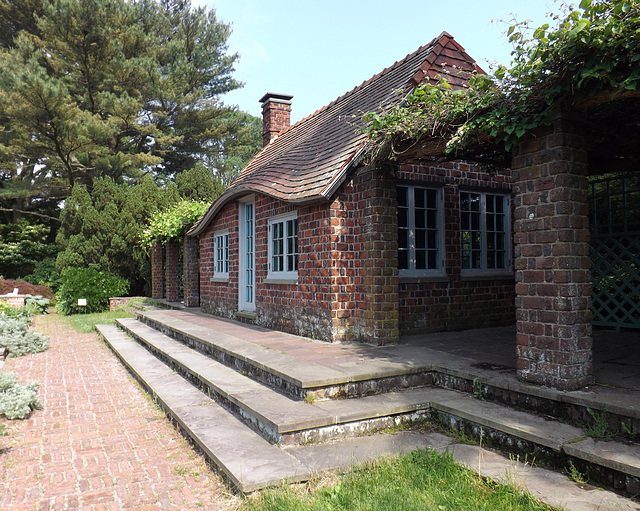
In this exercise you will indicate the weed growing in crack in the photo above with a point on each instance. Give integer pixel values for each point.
(600, 428)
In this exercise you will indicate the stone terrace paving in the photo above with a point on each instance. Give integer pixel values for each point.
(100, 443)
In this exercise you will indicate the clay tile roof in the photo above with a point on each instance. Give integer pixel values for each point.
(309, 160)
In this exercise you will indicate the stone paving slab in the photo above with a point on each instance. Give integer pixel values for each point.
(303, 374)
(552, 487)
(353, 360)
(624, 458)
(247, 459)
(538, 430)
(277, 411)
(549, 433)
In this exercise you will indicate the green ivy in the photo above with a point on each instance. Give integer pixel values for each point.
(174, 221)
(592, 50)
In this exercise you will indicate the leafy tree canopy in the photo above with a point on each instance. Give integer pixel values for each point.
(102, 230)
(112, 88)
(593, 52)
(22, 246)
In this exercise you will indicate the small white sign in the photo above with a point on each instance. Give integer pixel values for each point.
(82, 302)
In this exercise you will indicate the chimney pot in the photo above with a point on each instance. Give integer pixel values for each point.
(276, 115)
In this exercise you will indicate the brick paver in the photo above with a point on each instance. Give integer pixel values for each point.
(99, 442)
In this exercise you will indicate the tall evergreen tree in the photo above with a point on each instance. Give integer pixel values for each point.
(108, 88)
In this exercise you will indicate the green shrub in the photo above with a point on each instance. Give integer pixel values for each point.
(15, 335)
(45, 274)
(17, 401)
(94, 286)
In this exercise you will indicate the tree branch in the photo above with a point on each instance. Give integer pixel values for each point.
(31, 213)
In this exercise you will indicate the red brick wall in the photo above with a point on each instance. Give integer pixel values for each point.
(348, 285)
(190, 271)
(552, 258)
(275, 117)
(302, 308)
(220, 298)
(157, 271)
(454, 302)
(172, 248)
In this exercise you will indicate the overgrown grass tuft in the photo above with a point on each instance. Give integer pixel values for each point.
(86, 323)
(425, 481)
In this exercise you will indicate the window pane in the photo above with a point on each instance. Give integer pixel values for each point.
(432, 239)
(432, 259)
(402, 196)
(403, 260)
(418, 247)
(403, 219)
(403, 239)
(432, 219)
(475, 221)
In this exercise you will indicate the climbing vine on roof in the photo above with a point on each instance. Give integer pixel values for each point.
(590, 54)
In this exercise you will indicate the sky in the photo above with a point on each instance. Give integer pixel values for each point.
(317, 50)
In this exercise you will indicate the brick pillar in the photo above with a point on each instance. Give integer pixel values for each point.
(553, 303)
(157, 271)
(172, 268)
(378, 227)
(191, 272)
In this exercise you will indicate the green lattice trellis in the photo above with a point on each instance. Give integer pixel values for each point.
(615, 250)
(615, 276)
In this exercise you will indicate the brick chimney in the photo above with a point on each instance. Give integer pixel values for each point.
(276, 115)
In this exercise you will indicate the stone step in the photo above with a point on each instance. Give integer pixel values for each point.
(546, 440)
(281, 419)
(247, 459)
(287, 373)
(395, 368)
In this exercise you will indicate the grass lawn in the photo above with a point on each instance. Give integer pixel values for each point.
(85, 323)
(423, 481)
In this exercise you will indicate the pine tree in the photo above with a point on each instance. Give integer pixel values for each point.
(108, 88)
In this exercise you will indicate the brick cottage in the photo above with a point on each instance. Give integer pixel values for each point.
(314, 240)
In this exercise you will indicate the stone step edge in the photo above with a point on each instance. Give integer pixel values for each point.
(494, 388)
(336, 419)
(574, 443)
(168, 327)
(237, 469)
(599, 462)
(336, 383)
(214, 380)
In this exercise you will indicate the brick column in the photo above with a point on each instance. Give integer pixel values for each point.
(172, 269)
(553, 303)
(378, 226)
(191, 272)
(157, 271)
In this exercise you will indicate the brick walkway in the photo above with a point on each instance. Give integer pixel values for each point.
(99, 442)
